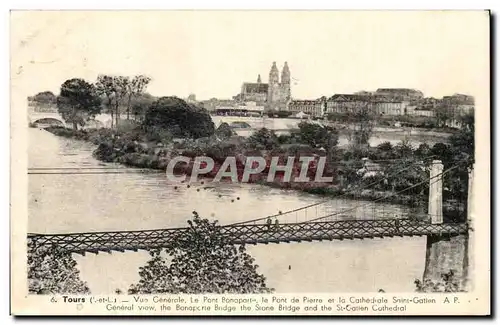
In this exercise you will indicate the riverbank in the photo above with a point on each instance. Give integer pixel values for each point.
(142, 150)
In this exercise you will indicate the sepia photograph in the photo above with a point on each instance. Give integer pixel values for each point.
(189, 158)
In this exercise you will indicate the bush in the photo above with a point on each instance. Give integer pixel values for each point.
(448, 283)
(264, 139)
(202, 260)
(224, 131)
(157, 134)
(52, 271)
(180, 118)
(317, 135)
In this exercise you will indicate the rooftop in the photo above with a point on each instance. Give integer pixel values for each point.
(255, 88)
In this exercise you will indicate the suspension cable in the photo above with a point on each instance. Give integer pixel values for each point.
(325, 201)
(385, 197)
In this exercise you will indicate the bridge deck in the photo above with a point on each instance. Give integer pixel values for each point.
(95, 242)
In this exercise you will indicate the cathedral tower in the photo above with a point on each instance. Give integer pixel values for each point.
(285, 81)
(274, 85)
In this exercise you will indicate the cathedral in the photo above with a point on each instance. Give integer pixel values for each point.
(274, 95)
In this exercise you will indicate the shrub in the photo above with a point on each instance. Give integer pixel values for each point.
(52, 271)
(202, 260)
(180, 118)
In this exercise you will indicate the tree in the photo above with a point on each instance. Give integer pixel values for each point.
(443, 115)
(140, 105)
(461, 154)
(414, 173)
(317, 135)
(78, 101)
(423, 151)
(224, 131)
(385, 151)
(115, 90)
(51, 271)
(202, 260)
(462, 143)
(403, 149)
(45, 97)
(135, 87)
(361, 122)
(180, 118)
(121, 89)
(264, 139)
(105, 87)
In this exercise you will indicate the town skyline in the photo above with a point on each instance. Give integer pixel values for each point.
(210, 54)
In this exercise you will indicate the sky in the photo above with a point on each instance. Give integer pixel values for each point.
(210, 53)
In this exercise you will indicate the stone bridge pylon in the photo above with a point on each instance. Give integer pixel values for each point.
(449, 253)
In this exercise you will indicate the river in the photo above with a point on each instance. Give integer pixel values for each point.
(98, 202)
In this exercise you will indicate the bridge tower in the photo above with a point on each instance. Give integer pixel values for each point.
(444, 253)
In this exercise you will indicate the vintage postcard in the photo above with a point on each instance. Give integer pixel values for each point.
(250, 162)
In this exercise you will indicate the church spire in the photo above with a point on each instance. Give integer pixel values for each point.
(274, 74)
(285, 74)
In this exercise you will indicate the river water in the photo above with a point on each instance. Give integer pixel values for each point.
(133, 201)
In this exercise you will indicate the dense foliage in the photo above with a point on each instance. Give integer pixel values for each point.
(51, 271)
(45, 97)
(448, 283)
(361, 122)
(264, 139)
(77, 102)
(180, 118)
(317, 135)
(224, 131)
(201, 261)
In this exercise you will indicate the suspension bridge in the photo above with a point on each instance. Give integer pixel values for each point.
(314, 222)
(248, 234)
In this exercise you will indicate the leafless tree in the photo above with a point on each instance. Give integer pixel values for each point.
(136, 86)
(105, 86)
(360, 119)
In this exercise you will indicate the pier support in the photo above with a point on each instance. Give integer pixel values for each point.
(436, 193)
(469, 279)
(444, 254)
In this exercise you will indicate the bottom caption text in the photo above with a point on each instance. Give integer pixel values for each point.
(269, 304)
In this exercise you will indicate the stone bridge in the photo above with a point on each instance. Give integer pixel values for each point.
(46, 118)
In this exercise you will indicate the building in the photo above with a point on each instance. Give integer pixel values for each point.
(415, 110)
(251, 108)
(459, 99)
(214, 104)
(191, 99)
(423, 107)
(364, 93)
(385, 105)
(254, 91)
(458, 105)
(274, 95)
(376, 104)
(348, 103)
(313, 108)
(400, 93)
